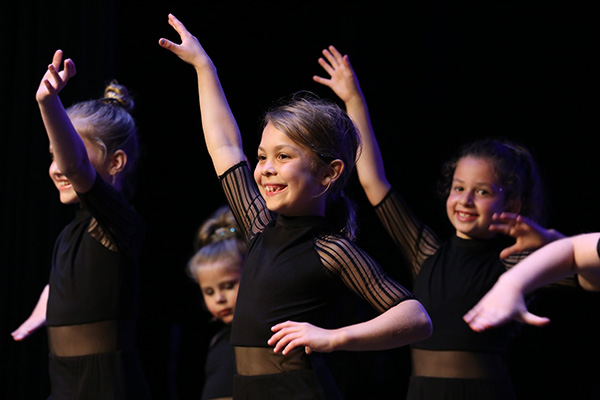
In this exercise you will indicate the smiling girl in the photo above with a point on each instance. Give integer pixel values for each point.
(484, 187)
(292, 213)
(90, 306)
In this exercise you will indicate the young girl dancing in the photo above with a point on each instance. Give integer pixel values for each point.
(488, 178)
(90, 305)
(292, 214)
(217, 267)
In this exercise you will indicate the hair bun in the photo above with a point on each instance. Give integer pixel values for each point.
(118, 94)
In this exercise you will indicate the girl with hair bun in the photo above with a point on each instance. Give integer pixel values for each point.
(217, 267)
(90, 306)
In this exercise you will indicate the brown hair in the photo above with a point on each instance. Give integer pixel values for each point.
(218, 237)
(108, 123)
(328, 132)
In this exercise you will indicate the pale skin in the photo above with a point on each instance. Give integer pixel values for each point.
(502, 217)
(219, 282)
(576, 255)
(75, 160)
(405, 323)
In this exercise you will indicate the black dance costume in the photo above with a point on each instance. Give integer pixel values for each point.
(219, 367)
(93, 301)
(294, 270)
(450, 278)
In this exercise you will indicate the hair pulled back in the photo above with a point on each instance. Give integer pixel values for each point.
(217, 238)
(514, 166)
(328, 132)
(108, 123)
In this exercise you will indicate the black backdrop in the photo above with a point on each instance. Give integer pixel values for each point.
(435, 76)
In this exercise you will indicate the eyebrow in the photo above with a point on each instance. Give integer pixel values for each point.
(281, 146)
(492, 185)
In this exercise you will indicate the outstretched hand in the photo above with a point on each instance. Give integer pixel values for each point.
(528, 234)
(190, 49)
(55, 80)
(289, 335)
(342, 79)
(499, 306)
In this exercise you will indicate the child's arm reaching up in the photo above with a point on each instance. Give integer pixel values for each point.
(221, 132)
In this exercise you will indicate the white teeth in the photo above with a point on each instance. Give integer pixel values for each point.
(64, 183)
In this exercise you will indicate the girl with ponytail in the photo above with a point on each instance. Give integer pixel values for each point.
(297, 261)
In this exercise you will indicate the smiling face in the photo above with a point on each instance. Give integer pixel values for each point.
(475, 195)
(286, 176)
(66, 192)
(219, 282)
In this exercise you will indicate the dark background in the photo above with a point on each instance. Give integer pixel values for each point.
(435, 76)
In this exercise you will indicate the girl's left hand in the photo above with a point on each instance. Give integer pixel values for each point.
(289, 335)
(54, 80)
(499, 306)
(529, 235)
(343, 80)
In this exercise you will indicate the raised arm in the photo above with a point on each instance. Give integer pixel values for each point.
(67, 147)
(344, 83)
(221, 132)
(555, 261)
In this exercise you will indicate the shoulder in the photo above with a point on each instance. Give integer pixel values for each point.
(339, 253)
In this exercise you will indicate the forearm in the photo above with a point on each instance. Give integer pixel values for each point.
(546, 265)
(68, 148)
(405, 323)
(221, 133)
(587, 260)
(370, 167)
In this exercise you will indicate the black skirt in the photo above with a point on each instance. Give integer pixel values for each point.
(115, 376)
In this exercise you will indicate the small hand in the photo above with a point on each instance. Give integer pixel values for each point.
(499, 306)
(289, 335)
(190, 49)
(528, 234)
(54, 80)
(28, 327)
(343, 81)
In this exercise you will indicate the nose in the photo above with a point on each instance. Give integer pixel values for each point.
(54, 170)
(267, 169)
(466, 198)
(220, 297)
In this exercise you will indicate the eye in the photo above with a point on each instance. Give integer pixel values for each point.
(282, 156)
(230, 285)
(209, 292)
(483, 192)
(457, 188)
(260, 157)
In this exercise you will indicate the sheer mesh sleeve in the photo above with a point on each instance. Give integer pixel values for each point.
(247, 205)
(414, 239)
(115, 223)
(360, 273)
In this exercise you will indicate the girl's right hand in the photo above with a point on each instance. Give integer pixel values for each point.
(54, 80)
(190, 49)
(32, 324)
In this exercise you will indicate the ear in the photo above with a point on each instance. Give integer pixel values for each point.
(117, 162)
(514, 205)
(334, 171)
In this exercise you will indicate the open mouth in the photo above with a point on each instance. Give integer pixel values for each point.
(63, 185)
(274, 189)
(465, 216)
